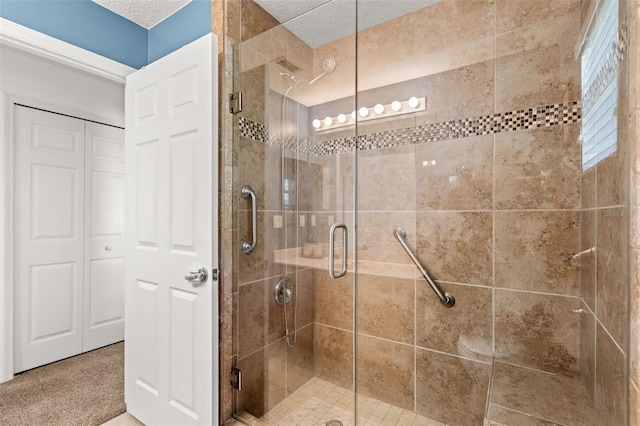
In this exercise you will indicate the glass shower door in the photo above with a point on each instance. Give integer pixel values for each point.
(293, 334)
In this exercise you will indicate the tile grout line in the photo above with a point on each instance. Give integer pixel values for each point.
(493, 222)
(529, 415)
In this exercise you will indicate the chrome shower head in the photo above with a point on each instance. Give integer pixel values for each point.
(328, 65)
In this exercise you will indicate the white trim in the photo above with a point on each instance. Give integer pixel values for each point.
(6, 234)
(39, 44)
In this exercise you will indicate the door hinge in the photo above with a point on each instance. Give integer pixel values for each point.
(235, 378)
(235, 102)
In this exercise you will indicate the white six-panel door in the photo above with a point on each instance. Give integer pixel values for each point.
(49, 237)
(171, 230)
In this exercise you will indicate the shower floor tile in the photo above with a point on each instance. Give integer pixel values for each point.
(318, 401)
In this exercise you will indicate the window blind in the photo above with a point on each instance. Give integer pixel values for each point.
(599, 83)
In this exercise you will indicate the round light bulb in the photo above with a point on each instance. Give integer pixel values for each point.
(364, 111)
(342, 118)
(414, 102)
(396, 106)
(379, 108)
(316, 123)
(328, 121)
(353, 115)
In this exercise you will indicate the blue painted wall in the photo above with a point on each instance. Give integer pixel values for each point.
(90, 26)
(186, 25)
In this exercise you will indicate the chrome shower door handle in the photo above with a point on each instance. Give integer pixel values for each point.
(248, 192)
(332, 250)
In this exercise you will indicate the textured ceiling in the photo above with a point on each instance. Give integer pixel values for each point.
(318, 22)
(145, 13)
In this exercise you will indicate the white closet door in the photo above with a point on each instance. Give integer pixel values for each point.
(49, 237)
(104, 236)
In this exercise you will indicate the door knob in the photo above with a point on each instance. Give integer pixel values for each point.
(198, 277)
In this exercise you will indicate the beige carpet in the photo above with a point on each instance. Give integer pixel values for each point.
(84, 390)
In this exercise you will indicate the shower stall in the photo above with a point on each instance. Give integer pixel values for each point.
(414, 236)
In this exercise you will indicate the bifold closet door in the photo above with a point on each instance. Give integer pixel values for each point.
(69, 237)
(104, 236)
(49, 196)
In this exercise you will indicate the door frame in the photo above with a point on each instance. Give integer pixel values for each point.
(40, 45)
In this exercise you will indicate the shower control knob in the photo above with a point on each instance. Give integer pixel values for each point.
(283, 291)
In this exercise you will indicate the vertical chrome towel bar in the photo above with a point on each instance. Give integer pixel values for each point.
(246, 192)
(446, 299)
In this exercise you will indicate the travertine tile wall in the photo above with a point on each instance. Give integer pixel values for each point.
(225, 24)
(494, 218)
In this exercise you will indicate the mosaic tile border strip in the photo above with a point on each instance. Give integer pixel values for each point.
(543, 116)
(252, 130)
(259, 132)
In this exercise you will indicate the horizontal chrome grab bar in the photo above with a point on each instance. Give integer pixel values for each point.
(446, 299)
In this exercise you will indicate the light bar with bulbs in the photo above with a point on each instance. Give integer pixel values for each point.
(375, 112)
